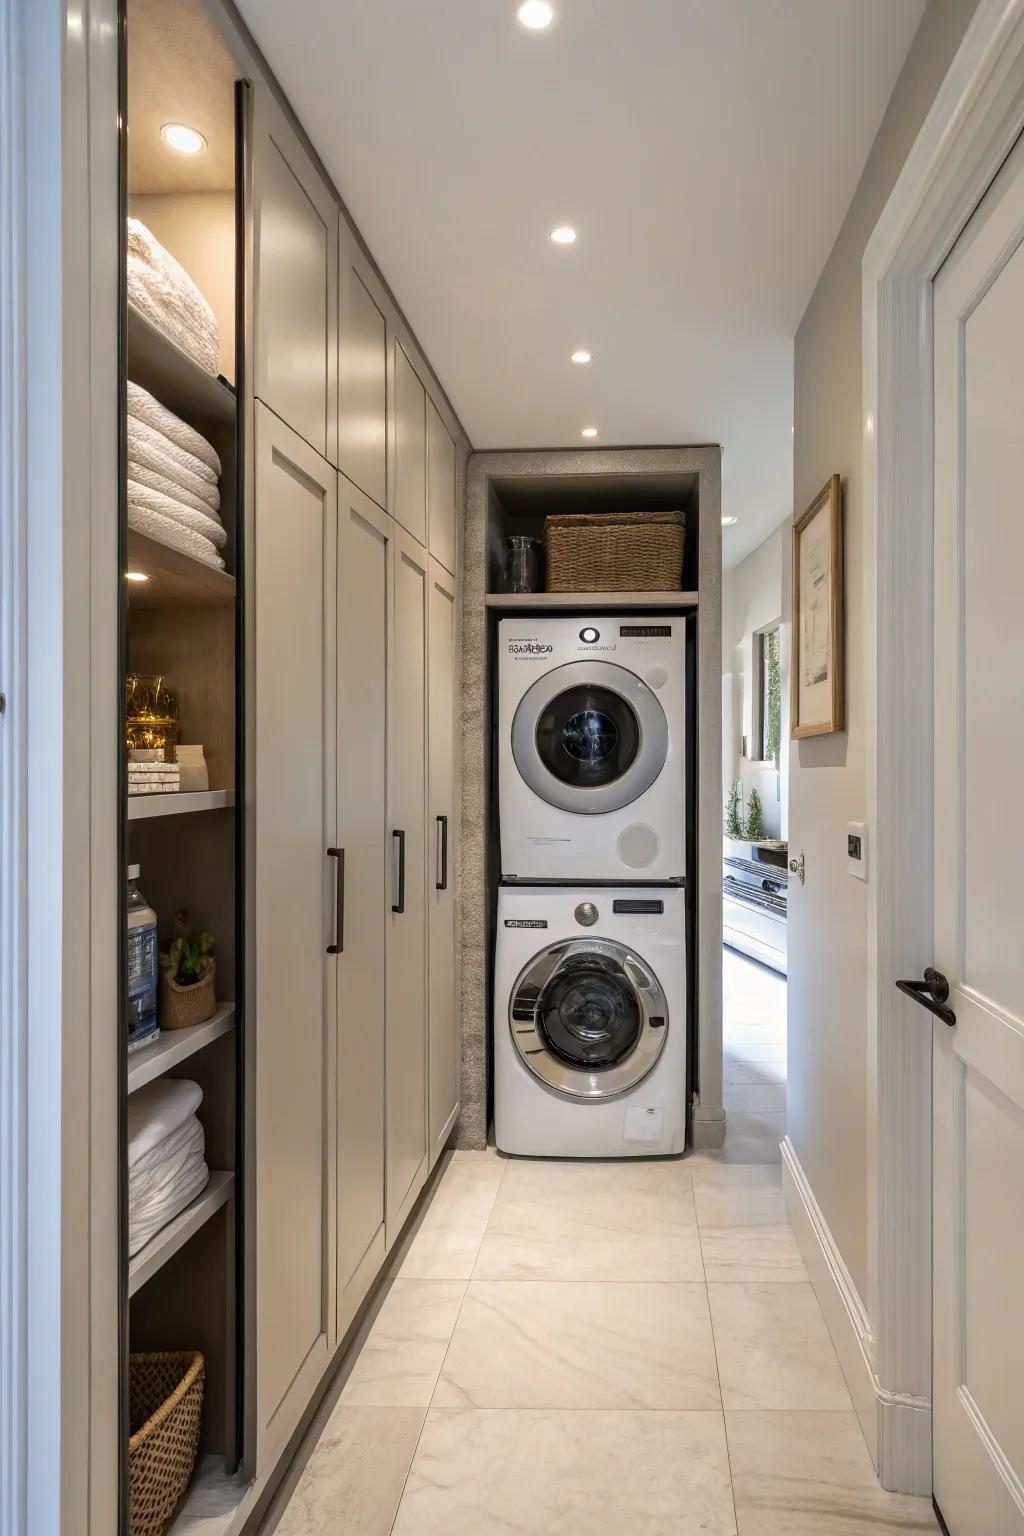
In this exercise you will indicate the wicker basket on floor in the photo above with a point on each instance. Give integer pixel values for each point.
(165, 1396)
(615, 551)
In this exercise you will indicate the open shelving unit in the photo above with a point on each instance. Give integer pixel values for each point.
(183, 622)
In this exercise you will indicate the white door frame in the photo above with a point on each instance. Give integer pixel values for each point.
(976, 117)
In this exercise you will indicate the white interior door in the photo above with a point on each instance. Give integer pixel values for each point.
(978, 1185)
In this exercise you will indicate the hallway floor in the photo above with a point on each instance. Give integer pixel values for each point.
(754, 1058)
(616, 1349)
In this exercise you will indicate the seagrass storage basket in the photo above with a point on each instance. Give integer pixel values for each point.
(165, 1401)
(615, 551)
(181, 1007)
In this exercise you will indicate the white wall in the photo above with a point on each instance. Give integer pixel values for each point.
(752, 599)
(828, 1042)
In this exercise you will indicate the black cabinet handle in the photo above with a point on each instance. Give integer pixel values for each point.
(338, 946)
(441, 883)
(399, 905)
(931, 993)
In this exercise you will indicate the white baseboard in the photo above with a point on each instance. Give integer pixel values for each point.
(896, 1426)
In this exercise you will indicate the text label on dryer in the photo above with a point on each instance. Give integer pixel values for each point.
(526, 647)
(526, 922)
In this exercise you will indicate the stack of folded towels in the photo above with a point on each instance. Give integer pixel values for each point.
(163, 291)
(166, 1156)
(173, 476)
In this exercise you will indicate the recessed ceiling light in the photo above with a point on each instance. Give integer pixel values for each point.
(187, 141)
(535, 15)
(563, 235)
(589, 432)
(581, 357)
(135, 576)
(727, 522)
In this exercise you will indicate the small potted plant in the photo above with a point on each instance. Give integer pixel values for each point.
(187, 973)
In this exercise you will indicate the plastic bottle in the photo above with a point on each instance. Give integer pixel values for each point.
(143, 966)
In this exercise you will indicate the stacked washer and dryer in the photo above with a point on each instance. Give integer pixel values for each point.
(590, 1033)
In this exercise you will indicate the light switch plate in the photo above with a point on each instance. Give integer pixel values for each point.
(857, 850)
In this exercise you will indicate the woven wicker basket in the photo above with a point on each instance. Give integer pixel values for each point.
(165, 1395)
(181, 1007)
(615, 552)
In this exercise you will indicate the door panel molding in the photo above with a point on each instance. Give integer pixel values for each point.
(974, 121)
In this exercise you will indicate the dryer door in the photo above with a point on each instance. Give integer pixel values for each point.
(588, 1017)
(589, 737)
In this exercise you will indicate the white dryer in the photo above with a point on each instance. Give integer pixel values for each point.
(590, 1022)
(591, 759)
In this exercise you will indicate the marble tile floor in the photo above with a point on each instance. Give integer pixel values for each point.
(754, 1058)
(526, 1375)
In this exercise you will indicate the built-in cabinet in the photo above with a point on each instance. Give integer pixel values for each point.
(296, 284)
(362, 372)
(293, 741)
(442, 811)
(365, 605)
(322, 680)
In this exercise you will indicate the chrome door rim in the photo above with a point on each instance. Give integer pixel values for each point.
(577, 1082)
(642, 771)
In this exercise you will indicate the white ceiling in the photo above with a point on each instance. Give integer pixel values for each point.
(706, 150)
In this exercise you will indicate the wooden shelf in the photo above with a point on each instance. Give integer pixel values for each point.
(175, 580)
(176, 1234)
(145, 807)
(590, 601)
(175, 1046)
(159, 365)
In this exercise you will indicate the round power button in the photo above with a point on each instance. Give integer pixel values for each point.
(586, 914)
(589, 635)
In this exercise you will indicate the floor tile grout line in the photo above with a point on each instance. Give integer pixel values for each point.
(426, 1411)
(721, 1394)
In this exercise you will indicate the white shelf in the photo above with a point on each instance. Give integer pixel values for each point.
(177, 1045)
(142, 807)
(590, 601)
(176, 1234)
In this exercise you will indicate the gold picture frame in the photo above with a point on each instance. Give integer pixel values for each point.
(818, 680)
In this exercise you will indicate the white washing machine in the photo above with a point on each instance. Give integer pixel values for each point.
(590, 1022)
(591, 760)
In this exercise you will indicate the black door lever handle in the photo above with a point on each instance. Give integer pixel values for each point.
(931, 993)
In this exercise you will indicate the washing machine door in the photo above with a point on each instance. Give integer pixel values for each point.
(588, 1017)
(589, 737)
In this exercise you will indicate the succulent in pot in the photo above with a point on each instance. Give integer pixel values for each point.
(188, 969)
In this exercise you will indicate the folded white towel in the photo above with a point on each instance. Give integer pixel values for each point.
(164, 1181)
(147, 445)
(144, 407)
(161, 288)
(156, 482)
(206, 523)
(166, 531)
(158, 1109)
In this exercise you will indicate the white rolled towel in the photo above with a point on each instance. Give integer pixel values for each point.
(166, 531)
(160, 287)
(163, 1181)
(143, 407)
(206, 523)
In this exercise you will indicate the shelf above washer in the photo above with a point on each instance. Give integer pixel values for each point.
(515, 602)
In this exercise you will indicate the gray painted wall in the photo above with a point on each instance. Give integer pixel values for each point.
(828, 1045)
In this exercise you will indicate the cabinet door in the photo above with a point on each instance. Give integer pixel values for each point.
(296, 238)
(440, 489)
(443, 1026)
(364, 614)
(362, 373)
(407, 1142)
(410, 504)
(292, 1019)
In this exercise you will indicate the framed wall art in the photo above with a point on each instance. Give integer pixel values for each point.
(819, 669)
